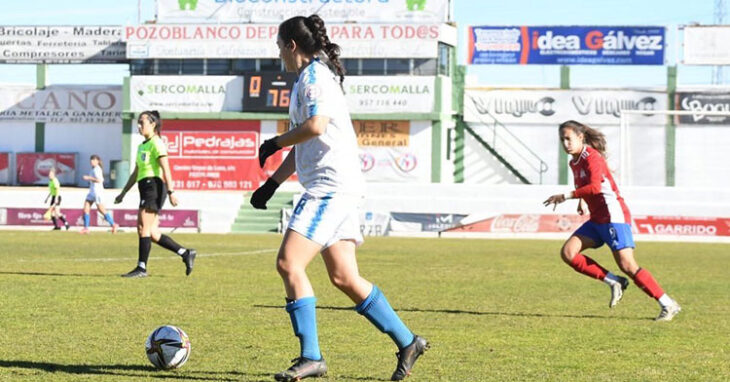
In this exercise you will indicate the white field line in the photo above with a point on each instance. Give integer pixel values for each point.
(126, 259)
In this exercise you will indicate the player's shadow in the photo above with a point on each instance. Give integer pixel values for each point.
(477, 313)
(117, 370)
(52, 274)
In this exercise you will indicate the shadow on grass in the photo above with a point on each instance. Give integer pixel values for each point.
(477, 313)
(351, 378)
(125, 371)
(52, 274)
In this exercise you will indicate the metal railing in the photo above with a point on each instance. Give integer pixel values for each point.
(508, 147)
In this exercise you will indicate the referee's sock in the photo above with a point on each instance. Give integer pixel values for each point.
(169, 244)
(145, 245)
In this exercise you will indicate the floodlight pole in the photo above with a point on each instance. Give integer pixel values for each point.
(670, 131)
(562, 157)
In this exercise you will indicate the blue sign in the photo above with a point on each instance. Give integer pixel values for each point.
(567, 45)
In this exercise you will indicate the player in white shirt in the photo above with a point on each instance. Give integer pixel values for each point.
(96, 188)
(326, 219)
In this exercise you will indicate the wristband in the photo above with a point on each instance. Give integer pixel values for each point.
(568, 195)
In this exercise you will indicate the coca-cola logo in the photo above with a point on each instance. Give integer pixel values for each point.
(516, 223)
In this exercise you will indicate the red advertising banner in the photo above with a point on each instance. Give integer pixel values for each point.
(524, 223)
(214, 155)
(647, 225)
(33, 168)
(123, 217)
(683, 226)
(4, 168)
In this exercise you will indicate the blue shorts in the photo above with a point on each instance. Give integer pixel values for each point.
(616, 235)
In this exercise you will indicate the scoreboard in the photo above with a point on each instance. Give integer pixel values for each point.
(268, 92)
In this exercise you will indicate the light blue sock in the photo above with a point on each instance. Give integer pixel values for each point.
(377, 309)
(304, 321)
(86, 220)
(109, 218)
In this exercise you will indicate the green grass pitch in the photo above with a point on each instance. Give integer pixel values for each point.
(494, 310)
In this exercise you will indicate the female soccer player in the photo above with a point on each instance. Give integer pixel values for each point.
(54, 192)
(326, 218)
(154, 180)
(96, 186)
(610, 221)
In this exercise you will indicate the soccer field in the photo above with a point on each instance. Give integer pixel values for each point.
(494, 310)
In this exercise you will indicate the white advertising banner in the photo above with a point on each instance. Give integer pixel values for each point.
(97, 104)
(390, 94)
(61, 44)
(706, 45)
(276, 11)
(186, 93)
(394, 151)
(557, 106)
(259, 40)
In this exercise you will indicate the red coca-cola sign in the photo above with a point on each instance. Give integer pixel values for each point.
(4, 168)
(33, 168)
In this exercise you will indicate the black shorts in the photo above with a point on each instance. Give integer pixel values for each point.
(152, 193)
(55, 200)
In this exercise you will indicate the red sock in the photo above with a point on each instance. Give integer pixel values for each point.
(646, 282)
(588, 267)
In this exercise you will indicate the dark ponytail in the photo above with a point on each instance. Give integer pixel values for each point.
(310, 34)
(154, 116)
(98, 158)
(591, 137)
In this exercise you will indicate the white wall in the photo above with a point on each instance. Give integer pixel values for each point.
(17, 136)
(702, 156)
(647, 154)
(481, 167)
(104, 140)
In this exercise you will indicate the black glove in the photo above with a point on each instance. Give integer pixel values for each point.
(267, 149)
(263, 194)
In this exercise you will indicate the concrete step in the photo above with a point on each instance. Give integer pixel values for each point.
(258, 220)
(252, 220)
(254, 227)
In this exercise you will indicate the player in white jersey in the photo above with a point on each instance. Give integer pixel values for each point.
(325, 220)
(96, 188)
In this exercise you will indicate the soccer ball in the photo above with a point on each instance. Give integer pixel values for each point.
(168, 347)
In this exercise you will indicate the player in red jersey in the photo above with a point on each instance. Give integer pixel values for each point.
(610, 221)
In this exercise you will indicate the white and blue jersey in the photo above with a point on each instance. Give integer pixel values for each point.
(328, 166)
(95, 189)
(328, 163)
